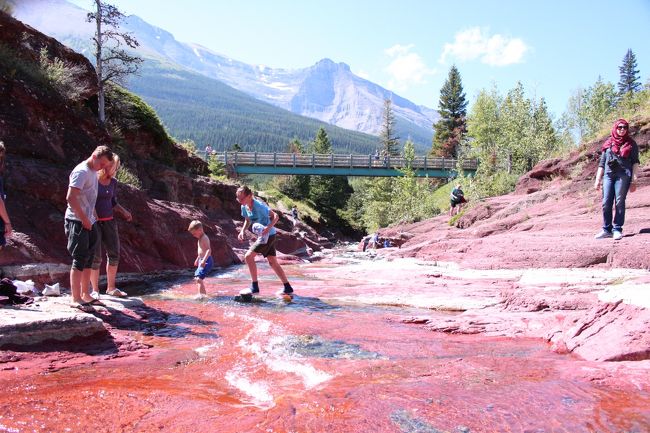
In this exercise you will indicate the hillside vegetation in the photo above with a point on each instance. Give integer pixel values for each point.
(209, 112)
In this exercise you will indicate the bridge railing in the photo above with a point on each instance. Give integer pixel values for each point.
(338, 160)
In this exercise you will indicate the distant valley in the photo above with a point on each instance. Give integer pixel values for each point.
(207, 111)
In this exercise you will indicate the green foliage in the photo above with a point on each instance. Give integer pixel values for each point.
(129, 114)
(644, 157)
(126, 176)
(217, 168)
(588, 109)
(599, 103)
(498, 183)
(296, 187)
(321, 143)
(190, 146)
(328, 193)
(13, 65)
(451, 127)
(634, 106)
(389, 141)
(409, 203)
(66, 78)
(379, 202)
(509, 136)
(629, 82)
(376, 199)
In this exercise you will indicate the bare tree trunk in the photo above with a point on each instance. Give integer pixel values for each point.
(509, 162)
(98, 66)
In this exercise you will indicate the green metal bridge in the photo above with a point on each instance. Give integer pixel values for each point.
(338, 165)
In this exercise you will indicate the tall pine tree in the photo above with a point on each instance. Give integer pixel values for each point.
(329, 193)
(629, 82)
(451, 127)
(389, 141)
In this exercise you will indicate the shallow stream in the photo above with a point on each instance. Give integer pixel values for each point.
(313, 365)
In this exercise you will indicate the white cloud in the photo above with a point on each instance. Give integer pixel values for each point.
(406, 67)
(495, 50)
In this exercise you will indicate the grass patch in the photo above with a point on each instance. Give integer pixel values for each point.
(14, 66)
(128, 177)
(129, 113)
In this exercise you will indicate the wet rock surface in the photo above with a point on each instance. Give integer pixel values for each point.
(366, 345)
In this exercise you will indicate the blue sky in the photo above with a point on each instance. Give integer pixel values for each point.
(552, 47)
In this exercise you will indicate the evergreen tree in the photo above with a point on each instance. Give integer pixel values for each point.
(451, 127)
(329, 193)
(406, 198)
(389, 141)
(629, 82)
(321, 143)
(112, 63)
(296, 187)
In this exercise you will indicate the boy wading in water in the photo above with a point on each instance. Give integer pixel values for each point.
(254, 211)
(203, 260)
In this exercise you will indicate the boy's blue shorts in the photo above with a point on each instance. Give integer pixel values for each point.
(202, 272)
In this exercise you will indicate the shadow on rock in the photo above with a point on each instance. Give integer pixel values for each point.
(153, 321)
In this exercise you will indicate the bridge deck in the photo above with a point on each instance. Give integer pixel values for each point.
(338, 165)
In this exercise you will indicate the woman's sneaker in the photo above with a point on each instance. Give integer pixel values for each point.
(603, 234)
(617, 235)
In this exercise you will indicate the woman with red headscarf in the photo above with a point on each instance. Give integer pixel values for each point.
(618, 165)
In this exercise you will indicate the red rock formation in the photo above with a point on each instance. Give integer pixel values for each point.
(46, 135)
(549, 221)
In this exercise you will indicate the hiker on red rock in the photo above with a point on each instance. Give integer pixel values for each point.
(457, 199)
(80, 224)
(108, 236)
(5, 224)
(619, 163)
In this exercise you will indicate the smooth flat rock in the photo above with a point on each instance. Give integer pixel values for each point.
(52, 318)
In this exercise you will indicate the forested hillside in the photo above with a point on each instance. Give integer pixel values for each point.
(211, 113)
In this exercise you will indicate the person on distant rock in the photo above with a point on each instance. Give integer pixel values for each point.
(203, 260)
(457, 199)
(108, 236)
(374, 241)
(5, 222)
(294, 214)
(366, 241)
(618, 165)
(80, 224)
(254, 211)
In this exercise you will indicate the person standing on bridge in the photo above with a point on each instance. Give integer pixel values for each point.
(619, 163)
(254, 211)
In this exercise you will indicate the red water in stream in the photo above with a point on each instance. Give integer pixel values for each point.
(314, 365)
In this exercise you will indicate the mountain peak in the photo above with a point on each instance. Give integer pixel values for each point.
(327, 63)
